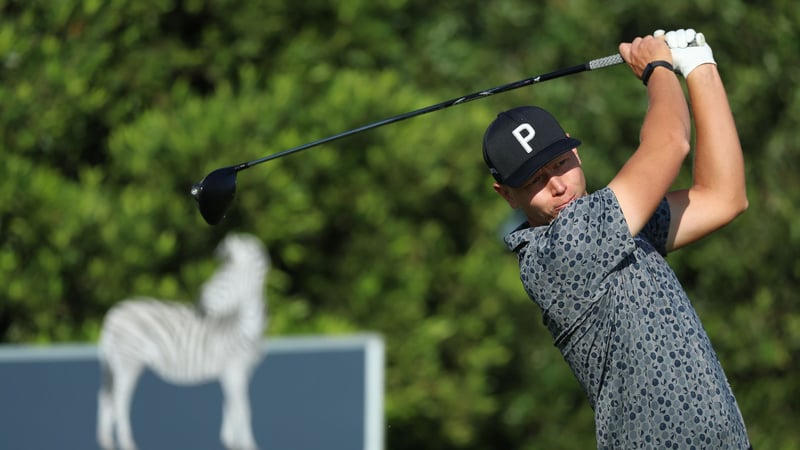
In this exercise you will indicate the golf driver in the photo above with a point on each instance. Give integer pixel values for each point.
(214, 193)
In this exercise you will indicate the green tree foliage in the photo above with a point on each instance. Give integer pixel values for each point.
(111, 110)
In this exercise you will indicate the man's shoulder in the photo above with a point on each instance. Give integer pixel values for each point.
(590, 225)
(521, 236)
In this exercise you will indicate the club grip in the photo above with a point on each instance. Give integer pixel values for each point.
(599, 63)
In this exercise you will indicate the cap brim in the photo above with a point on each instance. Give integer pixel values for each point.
(532, 165)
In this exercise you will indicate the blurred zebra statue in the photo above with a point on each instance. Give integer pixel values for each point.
(220, 338)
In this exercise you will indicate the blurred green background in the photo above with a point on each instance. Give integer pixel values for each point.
(111, 110)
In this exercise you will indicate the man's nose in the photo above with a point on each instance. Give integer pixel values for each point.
(557, 185)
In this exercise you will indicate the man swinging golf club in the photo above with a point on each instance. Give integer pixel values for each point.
(593, 262)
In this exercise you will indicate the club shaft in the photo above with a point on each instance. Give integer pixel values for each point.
(591, 65)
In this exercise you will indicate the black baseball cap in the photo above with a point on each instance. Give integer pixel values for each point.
(521, 141)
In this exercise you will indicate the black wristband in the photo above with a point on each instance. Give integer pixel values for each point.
(651, 66)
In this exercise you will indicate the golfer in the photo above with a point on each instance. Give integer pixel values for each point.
(594, 263)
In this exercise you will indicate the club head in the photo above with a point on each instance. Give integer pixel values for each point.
(214, 194)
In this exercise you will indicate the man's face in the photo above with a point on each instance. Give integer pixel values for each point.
(549, 190)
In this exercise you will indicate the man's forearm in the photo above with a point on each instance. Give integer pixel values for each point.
(718, 160)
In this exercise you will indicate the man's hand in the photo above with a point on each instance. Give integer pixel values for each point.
(644, 50)
(689, 49)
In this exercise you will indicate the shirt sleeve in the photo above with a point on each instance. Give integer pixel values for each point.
(565, 265)
(657, 228)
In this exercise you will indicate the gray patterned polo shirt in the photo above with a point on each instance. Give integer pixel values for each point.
(623, 323)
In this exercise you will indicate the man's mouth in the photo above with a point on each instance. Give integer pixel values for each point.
(564, 205)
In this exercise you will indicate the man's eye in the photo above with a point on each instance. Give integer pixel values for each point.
(535, 180)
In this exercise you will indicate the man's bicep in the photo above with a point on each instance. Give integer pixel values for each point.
(641, 185)
(694, 216)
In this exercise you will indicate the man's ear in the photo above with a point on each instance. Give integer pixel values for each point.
(503, 191)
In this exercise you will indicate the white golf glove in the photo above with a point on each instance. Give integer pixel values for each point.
(689, 49)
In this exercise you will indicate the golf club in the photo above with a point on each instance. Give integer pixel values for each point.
(214, 193)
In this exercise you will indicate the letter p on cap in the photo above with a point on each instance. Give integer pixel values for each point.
(524, 135)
